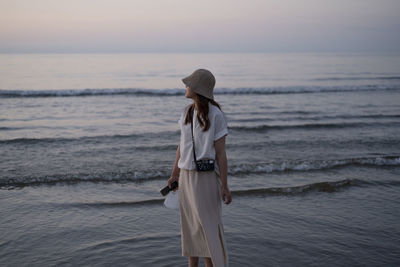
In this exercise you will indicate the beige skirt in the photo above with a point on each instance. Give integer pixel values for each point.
(202, 232)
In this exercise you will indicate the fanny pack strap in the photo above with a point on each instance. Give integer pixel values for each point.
(191, 128)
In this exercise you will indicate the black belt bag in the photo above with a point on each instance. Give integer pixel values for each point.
(202, 165)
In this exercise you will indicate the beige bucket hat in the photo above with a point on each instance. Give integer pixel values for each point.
(202, 82)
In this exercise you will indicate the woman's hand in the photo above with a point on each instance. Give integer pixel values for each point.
(172, 179)
(226, 194)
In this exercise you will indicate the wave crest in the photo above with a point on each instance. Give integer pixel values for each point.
(174, 92)
(313, 165)
(243, 169)
(325, 187)
(260, 128)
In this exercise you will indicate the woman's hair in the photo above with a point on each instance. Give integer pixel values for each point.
(201, 104)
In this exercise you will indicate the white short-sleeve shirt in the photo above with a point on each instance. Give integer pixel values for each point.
(204, 141)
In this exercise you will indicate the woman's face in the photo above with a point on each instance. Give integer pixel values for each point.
(189, 93)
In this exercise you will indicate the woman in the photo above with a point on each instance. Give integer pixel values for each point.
(201, 192)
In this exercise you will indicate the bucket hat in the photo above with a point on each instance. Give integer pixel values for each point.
(202, 82)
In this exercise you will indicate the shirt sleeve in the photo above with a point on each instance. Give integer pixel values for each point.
(221, 126)
(182, 117)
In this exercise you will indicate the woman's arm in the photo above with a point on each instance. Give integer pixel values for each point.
(175, 169)
(223, 168)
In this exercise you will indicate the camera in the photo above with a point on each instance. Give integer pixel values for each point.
(205, 165)
(166, 189)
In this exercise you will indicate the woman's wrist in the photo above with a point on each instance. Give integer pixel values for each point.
(175, 172)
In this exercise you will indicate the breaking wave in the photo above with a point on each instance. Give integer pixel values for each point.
(312, 165)
(326, 187)
(174, 92)
(243, 169)
(86, 139)
(260, 128)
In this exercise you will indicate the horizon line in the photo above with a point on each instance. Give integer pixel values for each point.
(202, 52)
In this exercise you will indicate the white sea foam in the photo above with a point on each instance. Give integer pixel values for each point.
(139, 175)
(172, 92)
(313, 165)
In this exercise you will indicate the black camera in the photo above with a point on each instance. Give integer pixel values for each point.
(205, 165)
(166, 189)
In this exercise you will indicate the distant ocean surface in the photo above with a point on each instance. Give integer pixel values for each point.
(87, 141)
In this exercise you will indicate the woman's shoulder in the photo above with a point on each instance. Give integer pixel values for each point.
(214, 111)
(185, 109)
(183, 114)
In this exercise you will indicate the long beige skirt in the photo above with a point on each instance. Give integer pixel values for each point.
(202, 231)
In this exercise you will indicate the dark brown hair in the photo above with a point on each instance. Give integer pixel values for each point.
(201, 104)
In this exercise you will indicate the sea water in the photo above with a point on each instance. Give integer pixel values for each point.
(88, 140)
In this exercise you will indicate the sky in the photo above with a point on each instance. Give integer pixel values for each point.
(175, 26)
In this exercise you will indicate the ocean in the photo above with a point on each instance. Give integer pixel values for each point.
(88, 140)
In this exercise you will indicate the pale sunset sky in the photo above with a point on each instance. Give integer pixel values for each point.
(199, 26)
